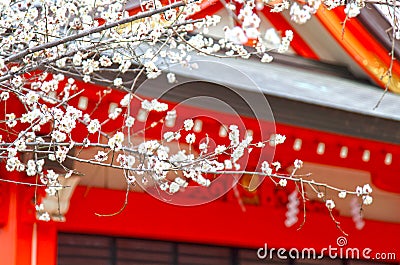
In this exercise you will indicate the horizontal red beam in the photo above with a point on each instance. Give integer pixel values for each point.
(217, 223)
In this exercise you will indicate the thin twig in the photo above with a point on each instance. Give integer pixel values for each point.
(337, 223)
(30, 184)
(121, 209)
(303, 196)
(389, 72)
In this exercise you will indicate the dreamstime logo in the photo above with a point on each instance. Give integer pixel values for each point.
(206, 89)
(341, 241)
(334, 252)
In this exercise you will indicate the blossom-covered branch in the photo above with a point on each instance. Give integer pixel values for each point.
(46, 46)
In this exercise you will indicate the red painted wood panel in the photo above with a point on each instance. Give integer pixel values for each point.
(217, 223)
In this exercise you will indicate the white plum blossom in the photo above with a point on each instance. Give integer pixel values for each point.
(12, 152)
(170, 115)
(352, 10)
(125, 100)
(330, 4)
(105, 61)
(42, 215)
(115, 114)
(234, 135)
(117, 58)
(31, 168)
(129, 121)
(94, 126)
(11, 120)
(126, 160)
(116, 141)
(188, 124)
(4, 96)
(236, 35)
(169, 136)
(61, 153)
(272, 39)
(101, 156)
(277, 165)
(89, 66)
(238, 151)
(202, 181)
(181, 182)
(298, 163)
(265, 168)
(281, 6)
(58, 136)
(30, 116)
(164, 186)
(162, 152)
(32, 97)
(367, 189)
(174, 187)
(300, 15)
(190, 138)
(367, 200)
(51, 180)
(154, 105)
(228, 164)
(266, 58)
(20, 144)
(45, 216)
(118, 81)
(219, 149)
(359, 191)
(13, 163)
(260, 144)
(171, 78)
(342, 194)
(285, 43)
(283, 182)
(148, 147)
(203, 147)
(77, 59)
(125, 65)
(86, 78)
(276, 139)
(330, 204)
(131, 179)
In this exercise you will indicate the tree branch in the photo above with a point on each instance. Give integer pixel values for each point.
(101, 28)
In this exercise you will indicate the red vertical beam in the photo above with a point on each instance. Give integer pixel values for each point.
(46, 243)
(4, 203)
(15, 236)
(22, 240)
(8, 235)
(298, 44)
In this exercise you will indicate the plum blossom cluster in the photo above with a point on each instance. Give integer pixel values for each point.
(363, 192)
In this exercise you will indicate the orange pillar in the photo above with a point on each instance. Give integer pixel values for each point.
(23, 239)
